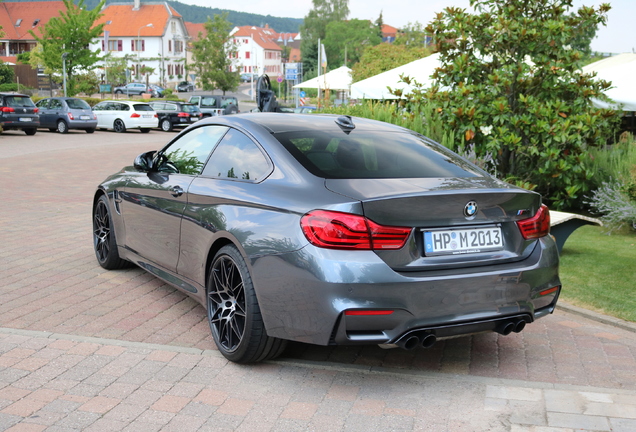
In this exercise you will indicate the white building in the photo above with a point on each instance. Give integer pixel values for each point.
(150, 34)
(257, 50)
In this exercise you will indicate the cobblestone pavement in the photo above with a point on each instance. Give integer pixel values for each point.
(86, 349)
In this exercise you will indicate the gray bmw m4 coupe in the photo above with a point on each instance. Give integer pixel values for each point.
(329, 230)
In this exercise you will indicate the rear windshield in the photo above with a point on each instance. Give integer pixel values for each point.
(77, 104)
(189, 108)
(19, 101)
(228, 101)
(142, 107)
(335, 155)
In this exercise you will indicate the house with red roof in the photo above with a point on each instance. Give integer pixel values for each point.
(148, 33)
(17, 19)
(257, 50)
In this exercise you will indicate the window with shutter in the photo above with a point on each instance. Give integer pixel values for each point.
(120, 45)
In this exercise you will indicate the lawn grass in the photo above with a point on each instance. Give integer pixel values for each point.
(598, 271)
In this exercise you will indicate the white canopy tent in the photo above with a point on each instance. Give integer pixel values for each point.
(376, 86)
(337, 79)
(621, 71)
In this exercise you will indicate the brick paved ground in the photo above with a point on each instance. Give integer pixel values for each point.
(50, 282)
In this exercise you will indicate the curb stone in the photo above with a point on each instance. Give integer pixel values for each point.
(598, 317)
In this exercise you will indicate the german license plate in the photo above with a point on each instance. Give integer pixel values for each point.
(195, 118)
(25, 119)
(147, 116)
(463, 241)
(84, 117)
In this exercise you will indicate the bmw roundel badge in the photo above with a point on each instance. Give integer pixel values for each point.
(470, 209)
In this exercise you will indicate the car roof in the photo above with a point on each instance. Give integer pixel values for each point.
(288, 122)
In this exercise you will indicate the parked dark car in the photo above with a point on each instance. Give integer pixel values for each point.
(176, 114)
(185, 86)
(133, 89)
(329, 230)
(215, 105)
(18, 112)
(64, 113)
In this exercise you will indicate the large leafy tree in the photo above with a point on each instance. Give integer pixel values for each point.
(349, 38)
(211, 55)
(509, 84)
(315, 27)
(385, 56)
(71, 34)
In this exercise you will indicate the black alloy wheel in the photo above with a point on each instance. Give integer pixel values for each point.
(233, 312)
(119, 126)
(104, 241)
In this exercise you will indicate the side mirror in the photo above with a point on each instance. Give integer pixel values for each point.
(143, 162)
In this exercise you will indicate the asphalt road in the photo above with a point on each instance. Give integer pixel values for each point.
(50, 284)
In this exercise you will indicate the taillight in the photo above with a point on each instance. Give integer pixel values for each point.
(134, 115)
(156, 115)
(36, 110)
(70, 116)
(335, 230)
(183, 114)
(94, 116)
(7, 109)
(536, 226)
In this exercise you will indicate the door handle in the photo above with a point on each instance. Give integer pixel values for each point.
(176, 191)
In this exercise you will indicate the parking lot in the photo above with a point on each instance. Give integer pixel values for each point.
(54, 295)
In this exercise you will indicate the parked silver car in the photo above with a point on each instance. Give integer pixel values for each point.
(64, 113)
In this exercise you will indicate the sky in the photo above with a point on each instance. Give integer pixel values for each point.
(617, 37)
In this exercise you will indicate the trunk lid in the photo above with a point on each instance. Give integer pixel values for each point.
(439, 207)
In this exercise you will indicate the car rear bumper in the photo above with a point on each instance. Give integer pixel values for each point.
(82, 124)
(143, 123)
(305, 296)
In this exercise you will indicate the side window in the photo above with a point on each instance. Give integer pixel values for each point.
(188, 154)
(237, 157)
(194, 99)
(43, 104)
(208, 102)
(55, 104)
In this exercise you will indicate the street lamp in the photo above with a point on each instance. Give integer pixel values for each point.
(64, 55)
(138, 44)
(285, 40)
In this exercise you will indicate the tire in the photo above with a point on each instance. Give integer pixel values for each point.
(119, 126)
(233, 312)
(62, 127)
(166, 125)
(144, 130)
(119, 92)
(30, 131)
(232, 109)
(104, 242)
(91, 130)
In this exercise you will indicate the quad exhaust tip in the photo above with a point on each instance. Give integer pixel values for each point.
(508, 326)
(426, 338)
(419, 339)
